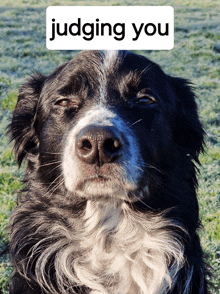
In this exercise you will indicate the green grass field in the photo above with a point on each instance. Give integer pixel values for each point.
(196, 56)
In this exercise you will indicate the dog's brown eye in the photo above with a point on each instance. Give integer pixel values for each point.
(145, 100)
(145, 96)
(67, 102)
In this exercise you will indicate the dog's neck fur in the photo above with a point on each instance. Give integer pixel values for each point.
(125, 252)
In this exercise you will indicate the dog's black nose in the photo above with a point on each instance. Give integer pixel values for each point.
(100, 145)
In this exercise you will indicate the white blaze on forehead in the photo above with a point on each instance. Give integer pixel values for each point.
(111, 57)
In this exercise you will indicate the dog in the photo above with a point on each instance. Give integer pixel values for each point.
(109, 204)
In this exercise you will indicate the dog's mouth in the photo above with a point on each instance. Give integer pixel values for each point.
(99, 179)
(98, 185)
(96, 180)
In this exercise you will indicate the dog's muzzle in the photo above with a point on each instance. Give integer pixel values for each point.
(101, 156)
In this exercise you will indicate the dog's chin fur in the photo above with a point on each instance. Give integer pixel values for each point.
(116, 251)
(108, 188)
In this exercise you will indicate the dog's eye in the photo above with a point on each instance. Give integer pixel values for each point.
(66, 103)
(145, 96)
(145, 100)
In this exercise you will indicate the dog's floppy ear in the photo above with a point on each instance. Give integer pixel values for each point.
(188, 130)
(21, 128)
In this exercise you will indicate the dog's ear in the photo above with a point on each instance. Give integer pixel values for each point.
(188, 130)
(21, 128)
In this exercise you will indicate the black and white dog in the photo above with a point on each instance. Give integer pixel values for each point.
(109, 205)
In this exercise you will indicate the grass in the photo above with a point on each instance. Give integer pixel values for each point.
(196, 56)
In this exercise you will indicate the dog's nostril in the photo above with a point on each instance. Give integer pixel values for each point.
(111, 145)
(86, 145)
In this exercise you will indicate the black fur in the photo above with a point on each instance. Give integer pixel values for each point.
(170, 138)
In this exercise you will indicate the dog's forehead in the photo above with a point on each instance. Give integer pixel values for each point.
(102, 65)
(101, 74)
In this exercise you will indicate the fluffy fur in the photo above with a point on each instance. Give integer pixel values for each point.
(109, 204)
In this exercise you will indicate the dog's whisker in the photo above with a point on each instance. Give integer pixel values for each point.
(53, 169)
(145, 70)
(53, 153)
(54, 188)
(55, 180)
(141, 169)
(50, 163)
(136, 122)
(153, 167)
(139, 200)
(47, 172)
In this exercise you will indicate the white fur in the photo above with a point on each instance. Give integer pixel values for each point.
(110, 62)
(117, 251)
(111, 58)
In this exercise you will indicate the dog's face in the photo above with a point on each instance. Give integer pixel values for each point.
(103, 124)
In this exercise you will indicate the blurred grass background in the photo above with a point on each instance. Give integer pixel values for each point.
(196, 56)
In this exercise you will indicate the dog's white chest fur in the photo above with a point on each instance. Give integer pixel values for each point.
(125, 252)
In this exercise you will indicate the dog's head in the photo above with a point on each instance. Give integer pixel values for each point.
(103, 124)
